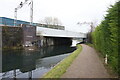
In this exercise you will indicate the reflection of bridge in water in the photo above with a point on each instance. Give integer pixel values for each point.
(18, 62)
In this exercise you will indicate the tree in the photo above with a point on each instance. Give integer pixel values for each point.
(48, 20)
(92, 27)
(51, 21)
(56, 21)
(106, 36)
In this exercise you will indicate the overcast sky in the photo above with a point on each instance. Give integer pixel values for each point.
(68, 11)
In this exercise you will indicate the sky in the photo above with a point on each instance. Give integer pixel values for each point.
(69, 12)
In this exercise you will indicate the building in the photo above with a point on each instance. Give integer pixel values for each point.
(10, 22)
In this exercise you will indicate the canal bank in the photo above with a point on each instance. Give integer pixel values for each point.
(60, 68)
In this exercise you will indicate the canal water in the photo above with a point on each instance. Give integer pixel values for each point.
(32, 64)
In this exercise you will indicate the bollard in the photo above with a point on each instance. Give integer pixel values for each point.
(106, 59)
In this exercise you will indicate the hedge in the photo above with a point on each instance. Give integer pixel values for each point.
(105, 37)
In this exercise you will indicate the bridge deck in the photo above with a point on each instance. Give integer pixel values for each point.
(58, 33)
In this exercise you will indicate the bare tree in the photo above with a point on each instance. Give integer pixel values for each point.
(48, 20)
(51, 21)
(56, 21)
(92, 27)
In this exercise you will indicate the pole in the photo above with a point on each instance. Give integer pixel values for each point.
(31, 12)
(106, 59)
(20, 6)
(14, 73)
(30, 75)
(15, 17)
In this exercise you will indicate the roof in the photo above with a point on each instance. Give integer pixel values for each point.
(10, 21)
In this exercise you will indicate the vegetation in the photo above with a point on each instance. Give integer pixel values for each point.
(61, 68)
(105, 37)
(11, 37)
(89, 44)
(51, 21)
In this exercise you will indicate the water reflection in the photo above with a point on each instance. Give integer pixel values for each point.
(32, 64)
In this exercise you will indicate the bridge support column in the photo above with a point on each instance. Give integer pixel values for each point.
(84, 40)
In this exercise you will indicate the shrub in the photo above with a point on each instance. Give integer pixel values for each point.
(105, 37)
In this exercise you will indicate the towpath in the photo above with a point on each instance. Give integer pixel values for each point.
(86, 65)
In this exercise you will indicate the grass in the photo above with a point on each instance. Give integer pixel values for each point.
(13, 48)
(89, 44)
(61, 68)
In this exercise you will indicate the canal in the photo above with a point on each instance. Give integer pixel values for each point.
(32, 64)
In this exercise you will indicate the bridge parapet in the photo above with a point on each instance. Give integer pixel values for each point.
(40, 31)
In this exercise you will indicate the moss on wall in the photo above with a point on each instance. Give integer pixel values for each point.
(12, 37)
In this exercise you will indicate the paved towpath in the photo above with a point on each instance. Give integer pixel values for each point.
(86, 65)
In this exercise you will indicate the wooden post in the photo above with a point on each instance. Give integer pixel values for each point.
(106, 59)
